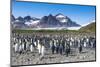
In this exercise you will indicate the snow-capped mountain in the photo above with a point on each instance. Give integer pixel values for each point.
(66, 21)
(29, 19)
(58, 20)
(50, 21)
(61, 18)
(25, 22)
(17, 22)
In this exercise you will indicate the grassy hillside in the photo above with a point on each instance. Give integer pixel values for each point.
(89, 28)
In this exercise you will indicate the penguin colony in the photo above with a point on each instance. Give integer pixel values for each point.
(57, 44)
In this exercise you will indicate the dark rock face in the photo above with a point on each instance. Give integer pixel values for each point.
(12, 18)
(20, 19)
(52, 20)
(49, 21)
(27, 18)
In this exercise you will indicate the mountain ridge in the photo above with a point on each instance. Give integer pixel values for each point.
(58, 20)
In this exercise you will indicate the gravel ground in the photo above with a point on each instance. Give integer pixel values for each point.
(34, 58)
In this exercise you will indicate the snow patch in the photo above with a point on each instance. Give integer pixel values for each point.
(88, 23)
(32, 22)
(64, 20)
(60, 16)
(73, 28)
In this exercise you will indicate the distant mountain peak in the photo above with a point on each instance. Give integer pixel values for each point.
(60, 15)
(61, 18)
(27, 18)
(50, 15)
(20, 19)
(12, 18)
